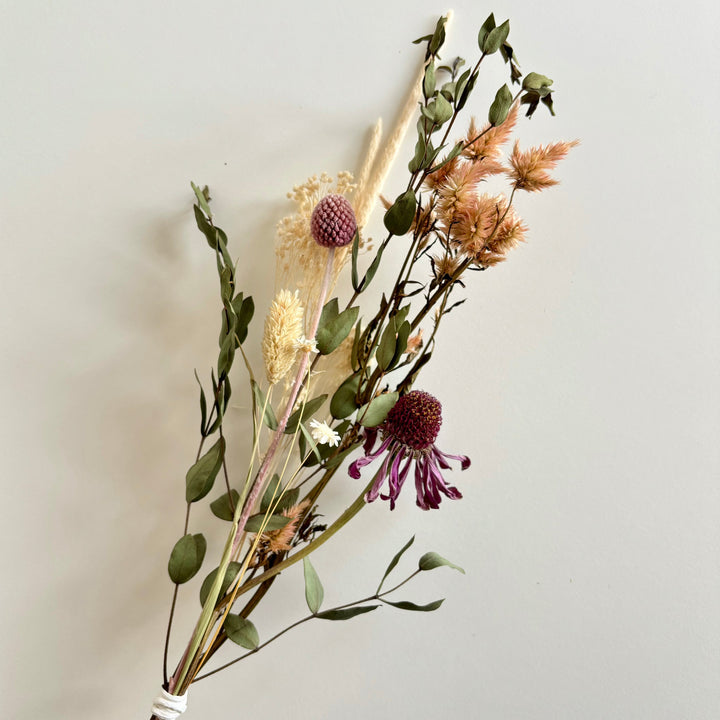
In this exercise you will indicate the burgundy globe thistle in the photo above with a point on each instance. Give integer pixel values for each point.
(333, 222)
(408, 436)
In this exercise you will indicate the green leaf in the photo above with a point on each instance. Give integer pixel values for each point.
(535, 81)
(227, 355)
(463, 97)
(375, 412)
(495, 38)
(244, 312)
(303, 413)
(275, 498)
(399, 217)
(221, 507)
(230, 575)
(241, 631)
(344, 401)
(431, 560)
(201, 476)
(407, 605)
(396, 560)
(271, 494)
(386, 349)
(186, 558)
(438, 37)
(374, 265)
(354, 258)
(310, 440)
(269, 416)
(501, 106)
(203, 406)
(346, 613)
(274, 522)
(429, 80)
(485, 29)
(314, 592)
(420, 158)
(402, 341)
(334, 327)
(202, 198)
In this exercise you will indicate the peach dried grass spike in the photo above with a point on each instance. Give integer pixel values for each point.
(283, 326)
(281, 540)
(488, 146)
(529, 168)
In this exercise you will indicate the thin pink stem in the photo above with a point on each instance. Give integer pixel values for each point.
(282, 423)
(267, 460)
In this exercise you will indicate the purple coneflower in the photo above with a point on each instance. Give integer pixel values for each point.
(408, 436)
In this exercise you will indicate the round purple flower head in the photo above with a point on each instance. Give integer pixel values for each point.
(408, 436)
(333, 222)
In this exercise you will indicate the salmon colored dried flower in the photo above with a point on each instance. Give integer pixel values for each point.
(529, 168)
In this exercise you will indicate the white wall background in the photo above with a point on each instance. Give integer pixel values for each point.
(582, 376)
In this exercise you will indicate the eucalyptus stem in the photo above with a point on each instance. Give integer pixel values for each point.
(376, 596)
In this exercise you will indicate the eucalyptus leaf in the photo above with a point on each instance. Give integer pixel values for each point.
(485, 29)
(346, 613)
(226, 356)
(431, 560)
(222, 508)
(241, 631)
(269, 416)
(407, 605)
(440, 110)
(429, 80)
(495, 38)
(314, 592)
(202, 198)
(354, 259)
(344, 400)
(203, 406)
(500, 107)
(535, 81)
(375, 412)
(310, 440)
(274, 522)
(334, 327)
(201, 476)
(186, 558)
(230, 575)
(438, 37)
(386, 348)
(396, 560)
(244, 312)
(271, 494)
(399, 217)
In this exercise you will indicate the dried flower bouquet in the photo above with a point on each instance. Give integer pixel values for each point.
(336, 387)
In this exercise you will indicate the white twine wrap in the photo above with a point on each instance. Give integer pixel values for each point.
(169, 707)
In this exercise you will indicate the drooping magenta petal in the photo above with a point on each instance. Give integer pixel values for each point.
(442, 458)
(354, 469)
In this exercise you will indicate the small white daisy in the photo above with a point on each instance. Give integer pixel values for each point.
(324, 434)
(305, 345)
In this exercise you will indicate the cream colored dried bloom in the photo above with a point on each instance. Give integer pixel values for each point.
(307, 345)
(283, 326)
(323, 434)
